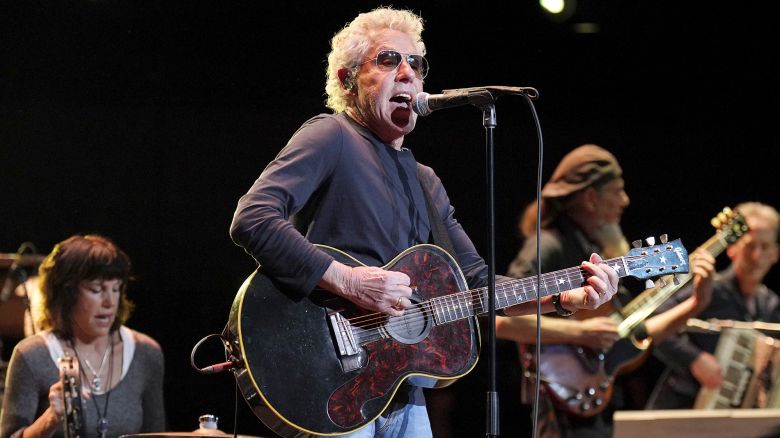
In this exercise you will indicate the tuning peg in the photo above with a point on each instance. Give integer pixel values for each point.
(716, 222)
(650, 240)
(728, 212)
(662, 282)
(675, 280)
(722, 217)
(636, 244)
(664, 238)
(649, 284)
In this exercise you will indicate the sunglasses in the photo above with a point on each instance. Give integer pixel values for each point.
(389, 60)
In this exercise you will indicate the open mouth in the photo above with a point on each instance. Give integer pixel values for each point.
(104, 319)
(403, 100)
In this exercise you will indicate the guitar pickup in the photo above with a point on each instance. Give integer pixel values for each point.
(351, 355)
(342, 333)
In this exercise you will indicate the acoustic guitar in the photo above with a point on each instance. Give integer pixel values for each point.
(320, 365)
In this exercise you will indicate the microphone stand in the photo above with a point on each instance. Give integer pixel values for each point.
(485, 98)
(489, 122)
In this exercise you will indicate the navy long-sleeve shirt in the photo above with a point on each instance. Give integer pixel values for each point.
(337, 184)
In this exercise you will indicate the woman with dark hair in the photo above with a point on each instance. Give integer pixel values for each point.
(83, 283)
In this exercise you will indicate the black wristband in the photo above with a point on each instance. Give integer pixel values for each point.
(640, 331)
(556, 300)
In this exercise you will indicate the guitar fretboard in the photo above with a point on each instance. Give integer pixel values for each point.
(474, 302)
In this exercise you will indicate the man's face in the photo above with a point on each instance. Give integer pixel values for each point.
(755, 252)
(612, 199)
(385, 93)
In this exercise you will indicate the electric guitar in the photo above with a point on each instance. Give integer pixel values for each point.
(320, 365)
(578, 379)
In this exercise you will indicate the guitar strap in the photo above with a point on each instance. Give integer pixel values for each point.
(440, 236)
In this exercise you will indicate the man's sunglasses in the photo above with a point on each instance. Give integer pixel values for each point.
(389, 60)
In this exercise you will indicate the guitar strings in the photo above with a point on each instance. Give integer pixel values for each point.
(455, 305)
(456, 301)
(470, 299)
(363, 320)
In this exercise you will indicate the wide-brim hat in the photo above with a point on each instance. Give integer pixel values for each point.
(581, 168)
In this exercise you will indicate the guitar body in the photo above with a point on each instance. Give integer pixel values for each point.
(579, 380)
(294, 374)
(320, 365)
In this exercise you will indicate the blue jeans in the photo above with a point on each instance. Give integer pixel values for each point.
(402, 419)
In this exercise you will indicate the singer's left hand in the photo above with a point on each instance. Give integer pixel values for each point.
(602, 286)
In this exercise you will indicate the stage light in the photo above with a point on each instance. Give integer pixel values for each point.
(558, 10)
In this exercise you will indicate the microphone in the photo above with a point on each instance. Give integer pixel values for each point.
(424, 103)
(8, 284)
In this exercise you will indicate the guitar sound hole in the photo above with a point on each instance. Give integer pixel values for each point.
(411, 327)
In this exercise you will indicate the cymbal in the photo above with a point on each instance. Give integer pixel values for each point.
(25, 261)
(194, 434)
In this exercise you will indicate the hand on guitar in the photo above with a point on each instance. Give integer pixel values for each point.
(602, 285)
(369, 287)
(703, 270)
(602, 281)
(598, 333)
(706, 369)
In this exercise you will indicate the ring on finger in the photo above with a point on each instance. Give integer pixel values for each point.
(397, 304)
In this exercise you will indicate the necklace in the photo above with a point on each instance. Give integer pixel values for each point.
(102, 425)
(97, 383)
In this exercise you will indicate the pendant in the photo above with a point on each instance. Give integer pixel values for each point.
(96, 384)
(102, 427)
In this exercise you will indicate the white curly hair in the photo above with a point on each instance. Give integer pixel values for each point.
(350, 45)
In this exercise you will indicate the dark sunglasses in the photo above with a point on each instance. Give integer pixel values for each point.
(389, 60)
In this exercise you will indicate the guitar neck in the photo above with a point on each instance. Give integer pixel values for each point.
(714, 325)
(641, 307)
(474, 302)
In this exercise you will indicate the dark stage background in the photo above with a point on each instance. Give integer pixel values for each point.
(146, 121)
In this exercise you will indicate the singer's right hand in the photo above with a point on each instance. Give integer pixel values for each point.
(369, 287)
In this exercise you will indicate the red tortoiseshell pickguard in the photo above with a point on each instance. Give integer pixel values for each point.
(446, 352)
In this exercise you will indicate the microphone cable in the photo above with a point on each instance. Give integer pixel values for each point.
(538, 347)
(230, 365)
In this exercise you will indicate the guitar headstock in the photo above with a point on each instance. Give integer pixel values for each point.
(730, 225)
(656, 260)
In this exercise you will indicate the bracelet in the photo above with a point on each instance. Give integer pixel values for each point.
(556, 300)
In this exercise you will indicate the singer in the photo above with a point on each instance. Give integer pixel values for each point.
(84, 281)
(346, 180)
